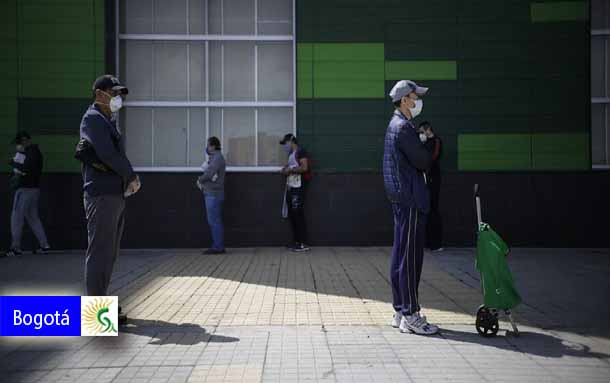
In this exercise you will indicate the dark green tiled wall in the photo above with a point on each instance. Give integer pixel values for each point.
(50, 52)
(508, 80)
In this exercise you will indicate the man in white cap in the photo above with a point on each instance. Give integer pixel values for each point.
(404, 161)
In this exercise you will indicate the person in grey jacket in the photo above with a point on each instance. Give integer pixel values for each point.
(106, 184)
(212, 183)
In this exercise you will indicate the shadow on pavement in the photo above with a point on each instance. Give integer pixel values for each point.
(170, 333)
(532, 343)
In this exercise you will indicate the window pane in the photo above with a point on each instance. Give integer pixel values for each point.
(215, 51)
(238, 17)
(598, 134)
(607, 65)
(239, 136)
(273, 124)
(214, 17)
(607, 133)
(197, 17)
(216, 125)
(136, 69)
(170, 16)
(598, 69)
(275, 17)
(600, 14)
(239, 71)
(136, 16)
(170, 136)
(275, 72)
(136, 124)
(170, 71)
(197, 136)
(197, 71)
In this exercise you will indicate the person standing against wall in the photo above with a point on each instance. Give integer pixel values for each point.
(434, 228)
(27, 167)
(297, 173)
(212, 183)
(405, 159)
(105, 186)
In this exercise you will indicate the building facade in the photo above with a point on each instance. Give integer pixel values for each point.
(519, 96)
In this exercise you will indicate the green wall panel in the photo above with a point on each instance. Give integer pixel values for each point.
(494, 152)
(58, 152)
(557, 11)
(561, 151)
(421, 70)
(49, 51)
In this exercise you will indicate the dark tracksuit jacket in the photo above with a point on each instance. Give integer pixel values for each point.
(405, 160)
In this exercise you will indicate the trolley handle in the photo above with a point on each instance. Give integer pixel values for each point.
(477, 200)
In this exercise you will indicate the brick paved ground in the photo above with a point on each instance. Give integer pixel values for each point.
(267, 315)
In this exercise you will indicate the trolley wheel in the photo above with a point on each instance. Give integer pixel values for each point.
(486, 323)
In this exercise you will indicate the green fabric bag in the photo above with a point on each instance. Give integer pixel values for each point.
(496, 279)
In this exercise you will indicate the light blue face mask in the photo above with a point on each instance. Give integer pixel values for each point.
(287, 148)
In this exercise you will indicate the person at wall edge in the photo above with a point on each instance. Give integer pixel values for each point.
(27, 167)
(297, 173)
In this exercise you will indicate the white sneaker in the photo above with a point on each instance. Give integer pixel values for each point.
(417, 324)
(397, 319)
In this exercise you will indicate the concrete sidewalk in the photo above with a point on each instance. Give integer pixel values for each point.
(268, 315)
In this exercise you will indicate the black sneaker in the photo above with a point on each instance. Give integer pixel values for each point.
(214, 252)
(300, 248)
(13, 253)
(43, 250)
(122, 317)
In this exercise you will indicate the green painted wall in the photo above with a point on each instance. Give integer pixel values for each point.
(509, 80)
(51, 51)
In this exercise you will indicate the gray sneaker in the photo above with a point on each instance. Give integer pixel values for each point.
(396, 319)
(417, 324)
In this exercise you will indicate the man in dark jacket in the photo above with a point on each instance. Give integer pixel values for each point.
(434, 227)
(405, 160)
(105, 187)
(27, 168)
(298, 173)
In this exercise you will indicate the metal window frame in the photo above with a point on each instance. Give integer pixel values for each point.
(603, 100)
(119, 37)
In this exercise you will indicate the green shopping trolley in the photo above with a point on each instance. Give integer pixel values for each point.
(499, 293)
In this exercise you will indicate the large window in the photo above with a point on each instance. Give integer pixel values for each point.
(202, 68)
(600, 84)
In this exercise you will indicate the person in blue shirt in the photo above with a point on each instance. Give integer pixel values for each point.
(405, 161)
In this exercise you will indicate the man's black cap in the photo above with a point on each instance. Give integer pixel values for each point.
(108, 81)
(22, 135)
(289, 138)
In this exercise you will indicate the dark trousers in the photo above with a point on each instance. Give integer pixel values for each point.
(295, 198)
(105, 222)
(434, 227)
(407, 258)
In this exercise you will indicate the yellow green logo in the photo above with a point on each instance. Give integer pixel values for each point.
(96, 318)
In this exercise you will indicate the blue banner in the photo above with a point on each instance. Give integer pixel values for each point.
(40, 315)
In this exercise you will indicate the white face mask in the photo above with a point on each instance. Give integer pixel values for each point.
(419, 105)
(423, 137)
(116, 103)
